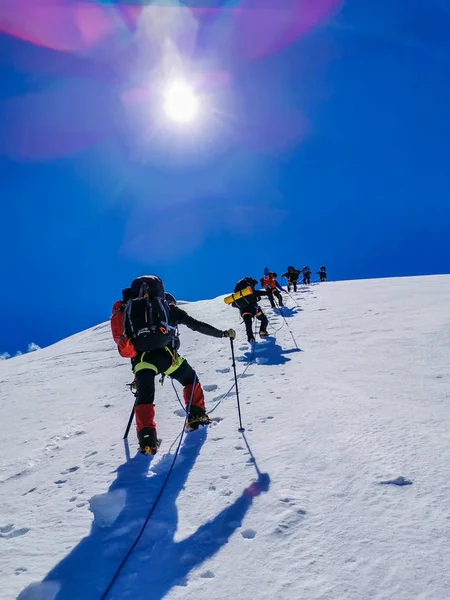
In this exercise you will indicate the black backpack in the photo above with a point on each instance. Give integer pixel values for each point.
(147, 315)
(245, 300)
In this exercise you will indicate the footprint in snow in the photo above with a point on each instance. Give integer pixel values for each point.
(227, 370)
(180, 412)
(69, 470)
(290, 522)
(248, 534)
(207, 575)
(60, 481)
(398, 481)
(19, 570)
(264, 419)
(6, 528)
(210, 388)
(8, 532)
(30, 491)
(287, 500)
(293, 504)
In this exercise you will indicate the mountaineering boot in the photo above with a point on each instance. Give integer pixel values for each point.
(148, 442)
(263, 333)
(146, 428)
(197, 416)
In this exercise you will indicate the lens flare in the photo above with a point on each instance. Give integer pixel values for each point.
(180, 103)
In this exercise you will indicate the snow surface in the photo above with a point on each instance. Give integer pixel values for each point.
(348, 441)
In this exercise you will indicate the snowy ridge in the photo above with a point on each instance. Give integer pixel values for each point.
(333, 428)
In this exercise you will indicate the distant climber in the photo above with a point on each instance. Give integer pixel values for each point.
(306, 275)
(144, 325)
(270, 284)
(292, 275)
(249, 309)
(322, 273)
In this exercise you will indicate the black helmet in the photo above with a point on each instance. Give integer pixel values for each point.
(245, 282)
(169, 298)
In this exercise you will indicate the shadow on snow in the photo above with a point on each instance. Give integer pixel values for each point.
(286, 311)
(267, 352)
(158, 563)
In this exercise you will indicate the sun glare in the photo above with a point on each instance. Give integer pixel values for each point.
(180, 102)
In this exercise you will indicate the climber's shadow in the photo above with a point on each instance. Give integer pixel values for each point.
(158, 562)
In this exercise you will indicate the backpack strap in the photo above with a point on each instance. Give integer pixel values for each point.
(169, 329)
(127, 315)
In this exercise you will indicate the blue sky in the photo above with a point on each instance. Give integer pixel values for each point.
(328, 146)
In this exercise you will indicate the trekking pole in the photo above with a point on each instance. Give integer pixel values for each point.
(241, 428)
(130, 420)
(132, 387)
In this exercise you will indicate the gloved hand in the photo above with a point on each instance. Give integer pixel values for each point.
(229, 333)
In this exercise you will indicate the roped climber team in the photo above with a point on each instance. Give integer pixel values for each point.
(145, 324)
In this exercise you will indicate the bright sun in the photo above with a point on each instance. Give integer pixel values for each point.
(180, 102)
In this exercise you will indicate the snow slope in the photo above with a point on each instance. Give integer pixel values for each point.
(365, 401)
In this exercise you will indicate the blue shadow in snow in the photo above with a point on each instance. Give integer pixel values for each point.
(267, 352)
(287, 312)
(158, 562)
